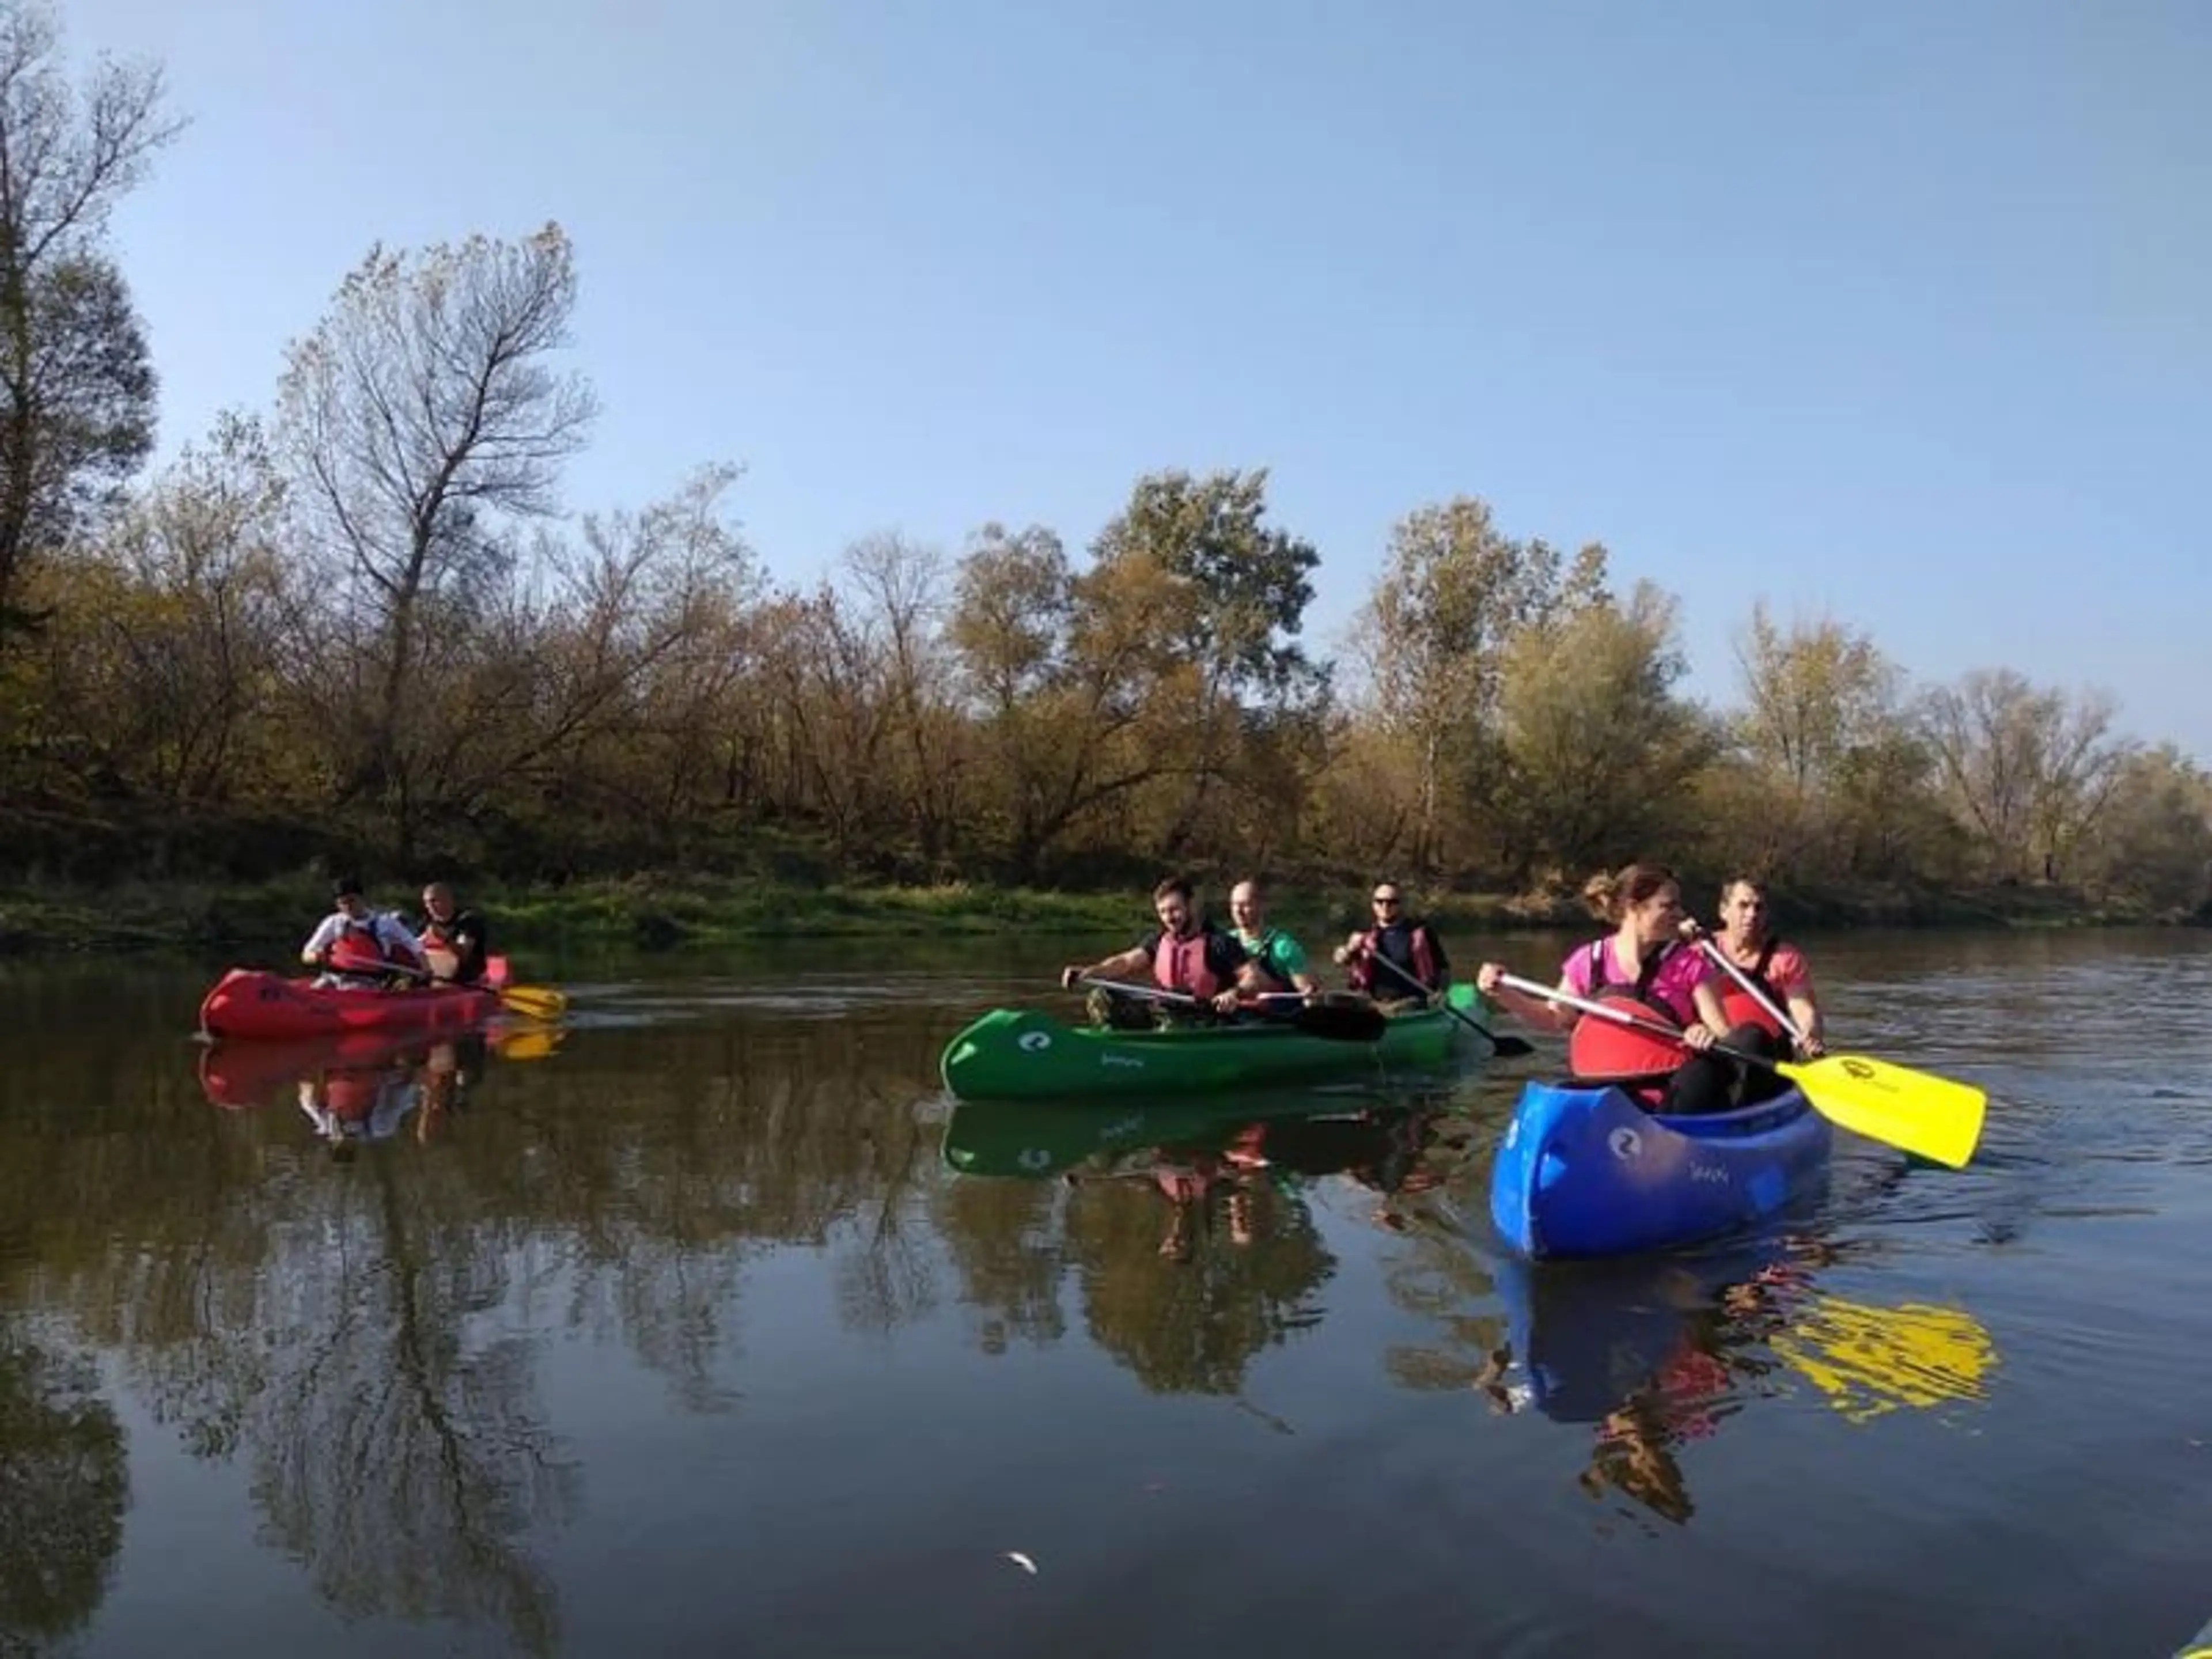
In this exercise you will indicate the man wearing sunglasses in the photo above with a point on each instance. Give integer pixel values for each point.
(1398, 958)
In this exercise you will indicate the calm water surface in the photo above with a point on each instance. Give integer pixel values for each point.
(682, 1334)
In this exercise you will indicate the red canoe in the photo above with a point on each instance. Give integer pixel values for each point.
(251, 1002)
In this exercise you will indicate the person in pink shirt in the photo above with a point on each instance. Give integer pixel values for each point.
(1644, 960)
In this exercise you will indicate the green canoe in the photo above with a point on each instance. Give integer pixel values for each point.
(1017, 1054)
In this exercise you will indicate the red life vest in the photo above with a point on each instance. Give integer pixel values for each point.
(1599, 1048)
(1361, 972)
(1180, 964)
(1742, 1007)
(359, 949)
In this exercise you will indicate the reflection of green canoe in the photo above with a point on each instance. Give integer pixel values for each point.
(1010, 1138)
(1012, 1053)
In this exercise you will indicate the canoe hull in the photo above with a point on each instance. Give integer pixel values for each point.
(1586, 1172)
(248, 1002)
(1022, 1055)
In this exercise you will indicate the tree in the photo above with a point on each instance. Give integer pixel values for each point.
(76, 390)
(422, 417)
(1210, 601)
(2155, 843)
(1600, 750)
(2029, 768)
(184, 609)
(900, 588)
(1814, 693)
(1453, 593)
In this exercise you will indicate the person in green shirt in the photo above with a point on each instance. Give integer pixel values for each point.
(1274, 952)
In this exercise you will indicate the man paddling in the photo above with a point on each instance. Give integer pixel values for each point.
(1780, 982)
(357, 947)
(1408, 944)
(452, 939)
(1278, 957)
(1183, 955)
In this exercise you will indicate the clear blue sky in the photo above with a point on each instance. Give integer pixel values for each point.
(1901, 311)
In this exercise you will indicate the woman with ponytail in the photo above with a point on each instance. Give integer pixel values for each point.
(1644, 961)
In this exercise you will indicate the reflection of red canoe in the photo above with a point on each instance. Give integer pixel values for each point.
(243, 1074)
(251, 1002)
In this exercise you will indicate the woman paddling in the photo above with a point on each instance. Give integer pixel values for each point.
(1646, 961)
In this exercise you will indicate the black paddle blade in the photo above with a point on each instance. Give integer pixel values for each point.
(1341, 1022)
(1508, 1045)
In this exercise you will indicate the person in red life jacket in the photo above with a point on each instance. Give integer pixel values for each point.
(1183, 954)
(451, 939)
(1770, 963)
(355, 946)
(1645, 961)
(1408, 944)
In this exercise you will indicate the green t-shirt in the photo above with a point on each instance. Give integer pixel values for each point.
(1275, 952)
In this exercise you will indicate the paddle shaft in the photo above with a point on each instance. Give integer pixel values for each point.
(1505, 1045)
(1620, 1015)
(531, 1002)
(1750, 988)
(1145, 992)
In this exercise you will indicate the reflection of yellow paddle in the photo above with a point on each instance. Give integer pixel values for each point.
(1869, 1360)
(526, 1045)
(1932, 1118)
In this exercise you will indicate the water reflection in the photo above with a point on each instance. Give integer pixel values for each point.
(63, 1489)
(1660, 1353)
(1186, 1224)
(362, 1086)
(350, 1275)
(708, 1242)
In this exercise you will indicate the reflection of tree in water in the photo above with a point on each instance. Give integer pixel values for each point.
(1005, 1248)
(1192, 1321)
(345, 1330)
(1435, 1274)
(401, 1453)
(62, 1488)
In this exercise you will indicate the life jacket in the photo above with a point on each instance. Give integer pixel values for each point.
(1361, 972)
(446, 957)
(1600, 1048)
(1742, 1007)
(359, 949)
(1180, 964)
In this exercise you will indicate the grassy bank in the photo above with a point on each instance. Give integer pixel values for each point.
(652, 913)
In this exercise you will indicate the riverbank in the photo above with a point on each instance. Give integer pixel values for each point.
(671, 913)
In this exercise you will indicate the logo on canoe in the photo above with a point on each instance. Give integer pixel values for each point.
(1033, 1043)
(1034, 1157)
(1130, 1060)
(1625, 1143)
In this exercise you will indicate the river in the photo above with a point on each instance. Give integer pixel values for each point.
(679, 1333)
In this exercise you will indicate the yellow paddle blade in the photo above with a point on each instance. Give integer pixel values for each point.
(1869, 1360)
(1931, 1117)
(534, 1001)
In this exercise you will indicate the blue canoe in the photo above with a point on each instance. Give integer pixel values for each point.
(1586, 1171)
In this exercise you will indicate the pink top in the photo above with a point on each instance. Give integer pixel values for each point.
(1673, 986)
(1785, 970)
